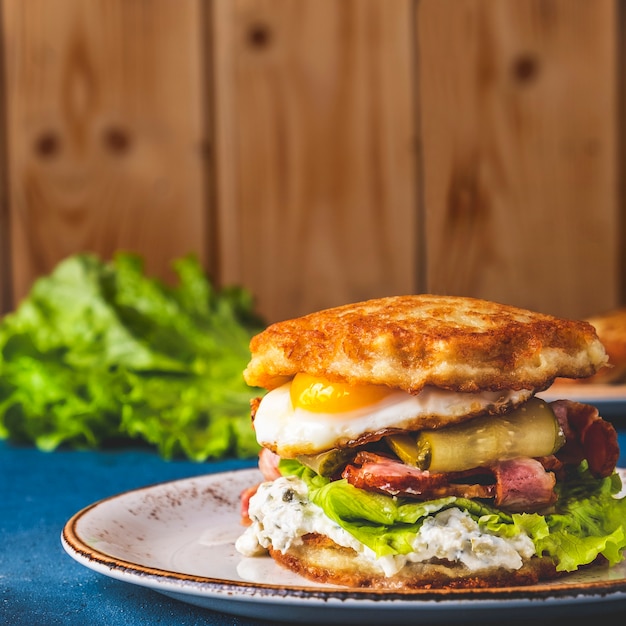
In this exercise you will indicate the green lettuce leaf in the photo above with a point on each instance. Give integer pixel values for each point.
(588, 522)
(100, 353)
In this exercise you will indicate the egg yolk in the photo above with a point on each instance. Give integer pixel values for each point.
(323, 396)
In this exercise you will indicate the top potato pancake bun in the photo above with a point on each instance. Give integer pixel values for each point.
(408, 342)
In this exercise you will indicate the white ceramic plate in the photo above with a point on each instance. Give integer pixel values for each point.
(586, 392)
(610, 399)
(178, 538)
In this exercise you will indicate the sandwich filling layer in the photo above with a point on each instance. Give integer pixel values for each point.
(292, 428)
(282, 515)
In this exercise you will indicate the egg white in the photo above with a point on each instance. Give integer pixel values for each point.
(290, 431)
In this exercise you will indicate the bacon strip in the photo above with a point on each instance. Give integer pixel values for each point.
(268, 465)
(515, 485)
(374, 472)
(523, 483)
(244, 502)
(587, 436)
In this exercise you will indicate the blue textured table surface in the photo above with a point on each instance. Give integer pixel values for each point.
(41, 585)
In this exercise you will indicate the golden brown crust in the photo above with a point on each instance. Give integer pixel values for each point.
(321, 560)
(407, 342)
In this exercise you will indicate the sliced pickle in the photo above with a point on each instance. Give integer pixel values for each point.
(327, 463)
(405, 448)
(531, 430)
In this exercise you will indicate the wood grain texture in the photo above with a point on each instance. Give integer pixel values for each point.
(359, 148)
(5, 240)
(316, 159)
(518, 122)
(621, 139)
(106, 132)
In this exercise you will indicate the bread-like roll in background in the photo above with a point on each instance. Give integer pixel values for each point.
(611, 329)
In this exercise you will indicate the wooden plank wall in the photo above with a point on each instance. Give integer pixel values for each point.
(519, 119)
(106, 137)
(320, 151)
(316, 152)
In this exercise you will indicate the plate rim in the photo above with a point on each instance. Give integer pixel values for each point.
(209, 587)
(589, 392)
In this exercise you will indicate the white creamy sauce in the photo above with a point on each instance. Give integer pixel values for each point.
(281, 514)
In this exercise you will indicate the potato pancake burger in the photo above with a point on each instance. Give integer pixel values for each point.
(403, 446)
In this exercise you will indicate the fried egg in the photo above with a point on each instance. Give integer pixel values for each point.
(309, 415)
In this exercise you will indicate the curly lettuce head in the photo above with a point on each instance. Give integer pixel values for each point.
(99, 352)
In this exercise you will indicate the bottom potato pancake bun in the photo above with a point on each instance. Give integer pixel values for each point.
(403, 447)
